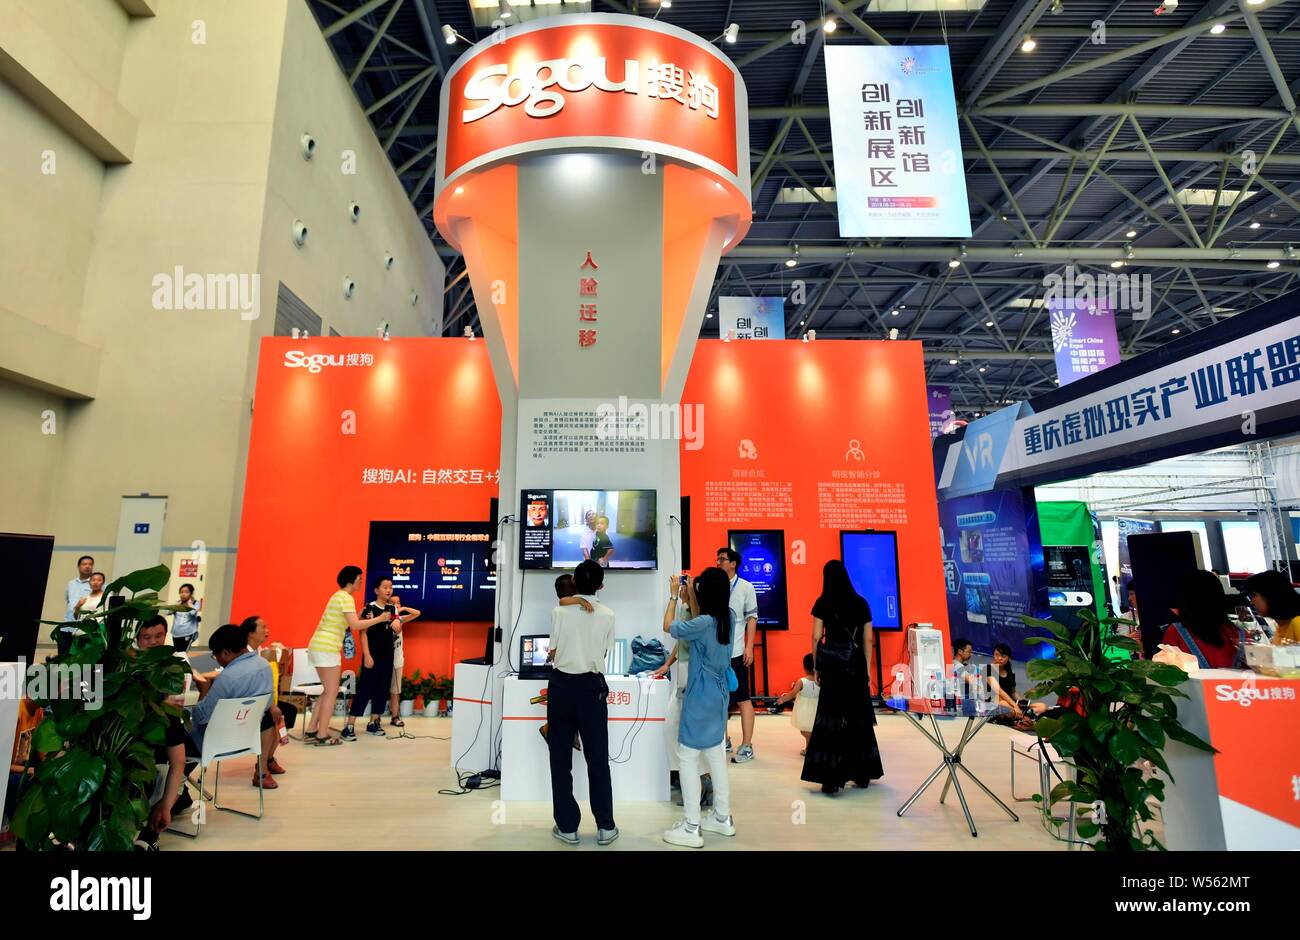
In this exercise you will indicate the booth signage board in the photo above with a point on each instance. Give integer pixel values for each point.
(994, 569)
(751, 317)
(973, 465)
(897, 146)
(1083, 337)
(1236, 381)
(1127, 527)
(762, 564)
(593, 81)
(940, 398)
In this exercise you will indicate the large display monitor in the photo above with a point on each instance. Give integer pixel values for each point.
(560, 528)
(444, 569)
(762, 563)
(871, 558)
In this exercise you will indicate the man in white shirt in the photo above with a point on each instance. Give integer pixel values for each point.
(77, 588)
(744, 624)
(576, 702)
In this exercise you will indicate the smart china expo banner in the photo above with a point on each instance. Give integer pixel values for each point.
(897, 146)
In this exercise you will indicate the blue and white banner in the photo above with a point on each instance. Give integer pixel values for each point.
(752, 317)
(897, 146)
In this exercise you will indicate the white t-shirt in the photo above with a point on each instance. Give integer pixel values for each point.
(581, 640)
(588, 539)
(744, 604)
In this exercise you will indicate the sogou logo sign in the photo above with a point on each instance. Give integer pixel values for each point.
(1243, 696)
(314, 362)
(532, 85)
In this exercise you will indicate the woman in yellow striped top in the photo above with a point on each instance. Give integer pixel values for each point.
(325, 647)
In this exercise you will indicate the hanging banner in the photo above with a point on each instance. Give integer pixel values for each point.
(1129, 527)
(752, 317)
(1083, 337)
(898, 157)
(941, 413)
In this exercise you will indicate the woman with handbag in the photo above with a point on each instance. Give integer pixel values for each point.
(704, 706)
(843, 746)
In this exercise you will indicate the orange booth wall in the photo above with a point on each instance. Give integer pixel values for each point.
(800, 406)
(416, 436)
(324, 460)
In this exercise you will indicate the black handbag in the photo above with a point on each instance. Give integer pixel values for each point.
(838, 655)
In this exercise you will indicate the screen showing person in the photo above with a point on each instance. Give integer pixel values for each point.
(614, 528)
(537, 514)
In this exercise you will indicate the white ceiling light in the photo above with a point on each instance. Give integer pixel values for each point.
(1131, 233)
(1117, 263)
(733, 31)
(666, 4)
(954, 263)
(893, 333)
(1254, 225)
(1029, 44)
(983, 368)
(1273, 264)
(829, 25)
(1217, 29)
(503, 7)
(448, 35)
(791, 261)
(952, 362)
(988, 323)
(1175, 331)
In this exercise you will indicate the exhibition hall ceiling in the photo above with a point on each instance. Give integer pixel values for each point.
(1173, 127)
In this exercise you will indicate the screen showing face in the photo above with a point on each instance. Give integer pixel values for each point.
(872, 561)
(614, 528)
(443, 569)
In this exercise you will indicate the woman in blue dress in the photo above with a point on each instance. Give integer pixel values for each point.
(704, 706)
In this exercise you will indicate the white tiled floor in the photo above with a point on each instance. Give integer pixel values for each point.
(383, 794)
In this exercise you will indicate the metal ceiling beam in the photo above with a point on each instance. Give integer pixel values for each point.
(348, 19)
(1000, 48)
(859, 25)
(374, 42)
(784, 39)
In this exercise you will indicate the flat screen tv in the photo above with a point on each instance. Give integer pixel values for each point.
(443, 569)
(871, 558)
(762, 564)
(560, 528)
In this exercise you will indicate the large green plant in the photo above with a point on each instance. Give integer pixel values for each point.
(91, 792)
(1126, 713)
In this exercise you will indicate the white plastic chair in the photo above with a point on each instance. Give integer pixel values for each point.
(305, 682)
(234, 730)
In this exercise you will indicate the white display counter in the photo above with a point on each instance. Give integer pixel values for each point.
(638, 760)
(14, 678)
(472, 726)
(1245, 796)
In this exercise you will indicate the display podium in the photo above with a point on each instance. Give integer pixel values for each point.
(638, 758)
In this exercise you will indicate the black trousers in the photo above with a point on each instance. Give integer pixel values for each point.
(182, 643)
(372, 687)
(577, 703)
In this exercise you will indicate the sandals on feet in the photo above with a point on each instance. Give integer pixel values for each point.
(329, 741)
(397, 723)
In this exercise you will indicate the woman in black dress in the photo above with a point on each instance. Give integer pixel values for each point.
(843, 744)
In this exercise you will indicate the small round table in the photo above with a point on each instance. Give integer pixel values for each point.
(951, 758)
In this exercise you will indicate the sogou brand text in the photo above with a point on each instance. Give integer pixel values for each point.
(532, 85)
(315, 362)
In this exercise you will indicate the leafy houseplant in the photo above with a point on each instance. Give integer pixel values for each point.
(406, 697)
(1124, 713)
(417, 687)
(432, 693)
(92, 790)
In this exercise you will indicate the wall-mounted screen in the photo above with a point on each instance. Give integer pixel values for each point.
(762, 564)
(615, 528)
(443, 569)
(872, 561)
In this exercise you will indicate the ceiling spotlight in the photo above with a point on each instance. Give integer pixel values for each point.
(988, 323)
(1273, 264)
(829, 25)
(732, 32)
(1029, 44)
(1057, 8)
(1175, 331)
(504, 7)
(469, 332)
(708, 316)
(893, 313)
(1290, 251)
(1131, 233)
(1217, 28)
(1254, 225)
(893, 333)
(1117, 263)
(448, 35)
(1017, 252)
(666, 4)
(983, 368)
(952, 362)
(954, 263)
(1128, 252)
(791, 261)
(1057, 381)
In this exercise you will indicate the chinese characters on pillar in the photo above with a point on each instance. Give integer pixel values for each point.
(587, 308)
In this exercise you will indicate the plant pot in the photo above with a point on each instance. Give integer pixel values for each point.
(406, 707)
(418, 704)
(431, 709)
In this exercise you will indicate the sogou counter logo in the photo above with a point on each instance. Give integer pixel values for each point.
(1243, 696)
(538, 86)
(315, 362)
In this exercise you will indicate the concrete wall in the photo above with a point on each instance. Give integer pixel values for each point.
(209, 178)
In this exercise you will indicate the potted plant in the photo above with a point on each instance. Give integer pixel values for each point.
(417, 690)
(432, 696)
(406, 697)
(1123, 711)
(444, 695)
(92, 790)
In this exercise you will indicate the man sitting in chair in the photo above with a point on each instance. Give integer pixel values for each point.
(243, 674)
(173, 752)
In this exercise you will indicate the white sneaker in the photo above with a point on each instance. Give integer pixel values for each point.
(683, 833)
(712, 822)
